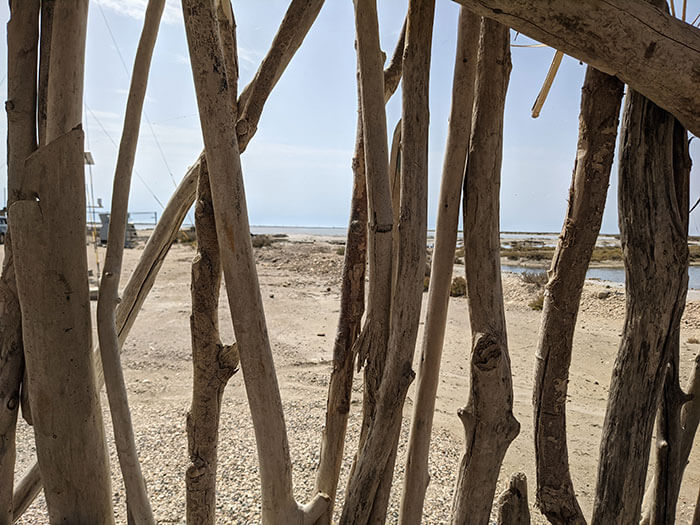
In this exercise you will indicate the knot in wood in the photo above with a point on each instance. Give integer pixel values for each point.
(242, 127)
(12, 403)
(487, 352)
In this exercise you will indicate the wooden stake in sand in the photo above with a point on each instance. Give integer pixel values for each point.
(351, 305)
(48, 226)
(655, 249)
(488, 420)
(417, 477)
(213, 363)
(377, 456)
(218, 118)
(22, 42)
(371, 344)
(601, 97)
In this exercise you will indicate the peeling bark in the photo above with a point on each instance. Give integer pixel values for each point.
(460, 124)
(213, 363)
(488, 418)
(376, 456)
(653, 52)
(654, 243)
(601, 97)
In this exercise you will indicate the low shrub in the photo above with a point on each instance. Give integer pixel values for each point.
(539, 279)
(537, 303)
(260, 241)
(458, 288)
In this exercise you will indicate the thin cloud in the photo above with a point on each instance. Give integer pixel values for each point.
(136, 9)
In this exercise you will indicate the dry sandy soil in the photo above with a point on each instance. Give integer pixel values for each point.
(300, 285)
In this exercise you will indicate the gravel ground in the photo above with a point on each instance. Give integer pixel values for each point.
(300, 286)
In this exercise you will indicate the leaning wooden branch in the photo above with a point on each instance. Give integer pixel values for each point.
(137, 503)
(548, 81)
(376, 456)
(488, 419)
(670, 460)
(645, 47)
(296, 24)
(417, 477)
(218, 120)
(655, 249)
(144, 275)
(22, 41)
(601, 97)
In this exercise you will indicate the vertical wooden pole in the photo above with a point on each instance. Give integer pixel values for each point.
(488, 419)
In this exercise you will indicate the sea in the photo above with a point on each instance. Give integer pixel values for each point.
(613, 275)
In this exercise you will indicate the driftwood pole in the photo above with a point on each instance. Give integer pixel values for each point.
(512, 505)
(22, 43)
(654, 243)
(48, 227)
(488, 419)
(601, 97)
(376, 456)
(371, 344)
(352, 306)
(213, 363)
(218, 119)
(137, 503)
(653, 52)
(165, 233)
(671, 455)
(417, 476)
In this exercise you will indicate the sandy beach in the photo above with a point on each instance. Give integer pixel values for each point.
(300, 282)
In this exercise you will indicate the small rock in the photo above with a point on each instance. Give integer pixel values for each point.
(272, 296)
(603, 295)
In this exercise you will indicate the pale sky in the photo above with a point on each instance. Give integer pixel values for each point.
(297, 167)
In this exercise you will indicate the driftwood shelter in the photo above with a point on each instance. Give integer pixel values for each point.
(52, 372)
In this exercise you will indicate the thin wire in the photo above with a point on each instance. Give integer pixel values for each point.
(148, 120)
(116, 147)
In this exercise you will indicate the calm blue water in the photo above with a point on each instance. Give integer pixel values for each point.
(615, 275)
